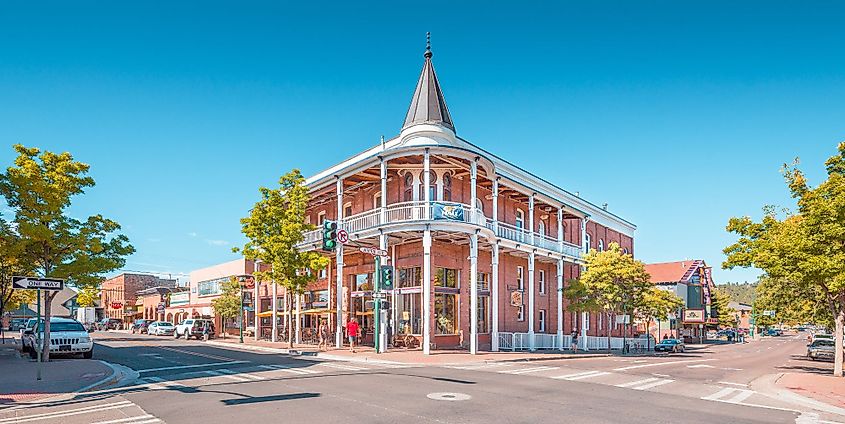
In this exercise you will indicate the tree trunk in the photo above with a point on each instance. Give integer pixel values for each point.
(289, 307)
(837, 337)
(609, 330)
(45, 346)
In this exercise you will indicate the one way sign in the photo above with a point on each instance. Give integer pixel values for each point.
(37, 283)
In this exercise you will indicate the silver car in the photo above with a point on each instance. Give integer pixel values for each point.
(161, 328)
(821, 349)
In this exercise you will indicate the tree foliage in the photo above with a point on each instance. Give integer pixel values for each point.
(805, 248)
(274, 227)
(720, 309)
(657, 304)
(741, 292)
(87, 297)
(39, 188)
(229, 303)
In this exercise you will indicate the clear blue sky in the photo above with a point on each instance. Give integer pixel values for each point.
(677, 114)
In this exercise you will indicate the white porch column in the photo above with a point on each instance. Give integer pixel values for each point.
(496, 206)
(584, 246)
(473, 179)
(426, 294)
(473, 293)
(560, 229)
(298, 319)
(275, 312)
(560, 304)
(426, 184)
(494, 302)
(339, 273)
(531, 316)
(531, 221)
(383, 204)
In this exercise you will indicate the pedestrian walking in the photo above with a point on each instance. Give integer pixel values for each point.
(574, 346)
(323, 334)
(352, 333)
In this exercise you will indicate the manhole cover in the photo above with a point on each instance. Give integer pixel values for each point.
(448, 396)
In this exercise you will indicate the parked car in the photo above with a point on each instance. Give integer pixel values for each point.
(67, 336)
(194, 328)
(106, 324)
(25, 341)
(669, 345)
(140, 326)
(821, 349)
(17, 323)
(775, 332)
(161, 328)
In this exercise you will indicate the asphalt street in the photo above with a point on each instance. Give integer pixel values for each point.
(182, 381)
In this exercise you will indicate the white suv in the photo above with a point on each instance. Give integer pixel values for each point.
(67, 336)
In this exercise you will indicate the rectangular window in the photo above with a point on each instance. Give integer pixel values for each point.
(446, 313)
(520, 284)
(321, 217)
(483, 281)
(446, 277)
(376, 200)
(362, 282)
(408, 307)
(520, 313)
(483, 314)
(324, 273)
(542, 321)
(542, 281)
(587, 320)
(601, 322)
(347, 211)
(211, 287)
(410, 277)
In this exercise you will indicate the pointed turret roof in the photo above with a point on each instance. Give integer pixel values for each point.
(428, 105)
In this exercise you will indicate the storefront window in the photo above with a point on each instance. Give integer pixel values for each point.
(408, 313)
(363, 282)
(483, 281)
(446, 277)
(410, 277)
(483, 314)
(446, 313)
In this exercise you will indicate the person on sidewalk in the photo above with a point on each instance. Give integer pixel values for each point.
(574, 346)
(323, 333)
(352, 333)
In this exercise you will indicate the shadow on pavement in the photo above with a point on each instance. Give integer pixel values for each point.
(274, 398)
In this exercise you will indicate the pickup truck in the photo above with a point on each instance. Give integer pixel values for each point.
(193, 328)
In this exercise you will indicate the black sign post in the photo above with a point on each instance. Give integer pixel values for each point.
(36, 283)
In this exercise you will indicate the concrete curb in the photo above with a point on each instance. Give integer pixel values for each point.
(119, 375)
(768, 386)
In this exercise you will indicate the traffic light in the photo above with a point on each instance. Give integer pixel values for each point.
(385, 305)
(386, 277)
(329, 235)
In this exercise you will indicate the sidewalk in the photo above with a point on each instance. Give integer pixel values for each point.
(60, 376)
(400, 356)
(821, 387)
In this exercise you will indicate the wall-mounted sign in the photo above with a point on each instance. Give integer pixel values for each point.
(694, 315)
(247, 281)
(516, 298)
(117, 305)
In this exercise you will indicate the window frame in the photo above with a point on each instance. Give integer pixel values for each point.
(520, 278)
(541, 279)
(519, 219)
(541, 319)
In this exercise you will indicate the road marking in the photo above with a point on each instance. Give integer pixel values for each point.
(638, 382)
(732, 369)
(655, 384)
(744, 394)
(341, 367)
(528, 370)
(225, 375)
(160, 383)
(242, 375)
(147, 418)
(70, 412)
(725, 391)
(292, 370)
(700, 366)
(685, 361)
(180, 367)
(479, 366)
(660, 375)
(733, 384)
(188, 352)
(581, 375)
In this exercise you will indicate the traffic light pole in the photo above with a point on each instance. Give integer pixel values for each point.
(377, 306)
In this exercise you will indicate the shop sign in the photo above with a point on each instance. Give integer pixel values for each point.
(117, 305)
(247, 281)
(181, 298)
(694, 315)
(516, 298)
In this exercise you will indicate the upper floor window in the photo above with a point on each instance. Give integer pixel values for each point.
(347, 210)
(601, 245)
(377, 200)
(432, 185)
(587, 243)
(625, 250)
(541, 228)
(408, 193)
(542, 281)
(520, 282)
(321, 217)
(447, 187)
(520, 219)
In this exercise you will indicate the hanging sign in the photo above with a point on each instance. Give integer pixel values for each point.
(450, 212)
(694, 315)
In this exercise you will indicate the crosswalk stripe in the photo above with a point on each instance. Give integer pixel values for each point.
(66, 413)
(741, 396)
(298, 371)
(146, 418)
(654, 384)
(725, 391)
(341, 367)
(638, 382)
(581, 375)
(241, 375)
(479, 366)
(229, 376)
(527, 370)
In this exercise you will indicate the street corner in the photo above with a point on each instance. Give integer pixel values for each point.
(821, 387)
(26, 381)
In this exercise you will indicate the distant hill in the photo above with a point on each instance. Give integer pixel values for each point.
(740, 292)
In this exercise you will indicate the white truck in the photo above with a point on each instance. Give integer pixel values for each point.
(87, 316)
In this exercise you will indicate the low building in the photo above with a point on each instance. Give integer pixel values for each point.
(691, 280)
(151, 303)
(742, 315)
(119, 294)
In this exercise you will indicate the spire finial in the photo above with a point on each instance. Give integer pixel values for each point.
(427, 45)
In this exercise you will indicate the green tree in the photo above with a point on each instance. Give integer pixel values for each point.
(719, 309)
(806, 248)
(275, 225)
(793, 303)
(229, 303)
(613, 282)
(10, 265)
(657, 304)
(39, 188)
(87, 297)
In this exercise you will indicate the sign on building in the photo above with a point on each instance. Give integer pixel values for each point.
(694, 315)
(516, 298)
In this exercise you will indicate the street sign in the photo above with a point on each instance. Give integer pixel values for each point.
(373, 251)
(33, 283)
(769, 313)
(342, 236)
(380, 295)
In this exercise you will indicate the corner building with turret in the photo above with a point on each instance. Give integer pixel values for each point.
(481, 248)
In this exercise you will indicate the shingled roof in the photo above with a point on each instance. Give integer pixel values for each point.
(428, 105)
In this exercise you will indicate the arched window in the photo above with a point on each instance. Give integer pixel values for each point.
(520, 219)
(625, 250)
(601, 245)
(587, 243)
(447, 187)
(541, 228)
(409, 187)
(432, 185)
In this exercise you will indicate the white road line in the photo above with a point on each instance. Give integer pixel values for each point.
(224, 375)
(724, 392)
(188, 352)
(528, 370)
(638, 382)
(581, 375)
(744, 394)
(143, 418)
(732, 369)
(181, 367)
(242, 375)
(58, 414)
(660, 375)
(479, 366)
(299, 371)
(341, 367)
(685, 361)
(576, 374)
(700, 366)
(160, 383)
(655, 384)
(733, 384)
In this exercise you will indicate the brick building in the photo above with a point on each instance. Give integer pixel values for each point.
(481, 247)
(119, 294)
(690, 280)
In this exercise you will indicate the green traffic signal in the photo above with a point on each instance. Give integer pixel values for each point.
(329, 235)
(386, 277)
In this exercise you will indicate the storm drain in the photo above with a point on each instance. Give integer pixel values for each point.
(449, 396)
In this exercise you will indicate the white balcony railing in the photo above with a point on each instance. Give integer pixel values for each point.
(419, 211)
